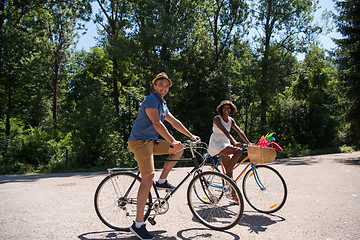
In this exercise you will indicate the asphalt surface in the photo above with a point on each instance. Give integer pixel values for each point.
(323, 203)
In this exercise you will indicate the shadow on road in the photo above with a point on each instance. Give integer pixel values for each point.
(204, 233)
(36, 177)
(106, 235)
(258, 222)
(255, 222)
(349, 161)
(295, 161)
(187, 234)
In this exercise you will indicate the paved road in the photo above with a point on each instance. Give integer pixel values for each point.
(323, 203)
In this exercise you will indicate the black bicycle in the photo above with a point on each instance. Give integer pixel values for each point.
(208, 195)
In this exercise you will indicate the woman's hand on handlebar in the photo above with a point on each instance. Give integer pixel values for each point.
(238, 144)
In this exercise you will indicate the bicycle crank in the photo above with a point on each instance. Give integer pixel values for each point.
(161, 206)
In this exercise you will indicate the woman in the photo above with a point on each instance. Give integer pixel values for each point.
(222, 143)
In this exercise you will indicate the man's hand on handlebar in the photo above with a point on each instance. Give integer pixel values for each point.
(195, 138)
(176, 143)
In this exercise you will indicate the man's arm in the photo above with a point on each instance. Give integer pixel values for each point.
(154, 116)
(179, 126)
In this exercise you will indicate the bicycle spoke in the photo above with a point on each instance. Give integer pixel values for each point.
(116, 198)
(216, 212)
(264, 189)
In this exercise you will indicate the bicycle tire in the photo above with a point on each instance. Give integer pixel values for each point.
(217, 212)
(269, 198)
(115, 200)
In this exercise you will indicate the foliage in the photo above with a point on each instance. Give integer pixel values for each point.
(35, 148)
(74, 110)
(348, 23)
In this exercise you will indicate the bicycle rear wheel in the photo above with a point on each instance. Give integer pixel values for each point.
(264, 189)
(115, 200)
(213, 208)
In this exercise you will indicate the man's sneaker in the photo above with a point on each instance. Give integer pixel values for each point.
(141, 232)
(164, 186)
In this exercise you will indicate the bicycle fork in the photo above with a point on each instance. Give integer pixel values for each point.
(256, 177)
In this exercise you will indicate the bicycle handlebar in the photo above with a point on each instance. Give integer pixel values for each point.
(190, 143)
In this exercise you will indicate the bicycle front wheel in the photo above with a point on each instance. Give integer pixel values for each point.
(214, 208)
(264, 189)
(115, 200)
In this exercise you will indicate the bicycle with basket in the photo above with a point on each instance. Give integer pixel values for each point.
(263, 187)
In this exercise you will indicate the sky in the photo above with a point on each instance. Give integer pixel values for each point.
(88, 40)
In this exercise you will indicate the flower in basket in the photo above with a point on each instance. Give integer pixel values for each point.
(269, 141)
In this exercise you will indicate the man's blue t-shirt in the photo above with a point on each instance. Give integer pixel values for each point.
(143, 128)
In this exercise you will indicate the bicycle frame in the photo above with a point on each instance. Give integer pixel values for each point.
(122, 198)
(261, 186)
(170, 193)
(219, 162)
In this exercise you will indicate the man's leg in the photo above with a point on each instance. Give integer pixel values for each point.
(143, 152)
(143, 193)
(138, 227)
(174, 153)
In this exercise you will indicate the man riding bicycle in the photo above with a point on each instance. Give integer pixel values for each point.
(144, 143)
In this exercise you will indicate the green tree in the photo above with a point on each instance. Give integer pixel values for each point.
(61, 25)
(305, 115)
(283, 27)
(18, 59)
(160, 31)
(348, 23)
(224, 19)
(90, 116)
(113, 17)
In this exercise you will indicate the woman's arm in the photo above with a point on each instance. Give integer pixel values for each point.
(218, 123)
(240, 132)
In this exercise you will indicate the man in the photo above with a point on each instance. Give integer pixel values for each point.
(144, 143)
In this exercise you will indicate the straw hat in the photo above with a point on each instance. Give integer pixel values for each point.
(226, 102)
(162, 75)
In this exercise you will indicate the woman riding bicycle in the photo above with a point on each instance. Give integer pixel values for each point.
(222, 143)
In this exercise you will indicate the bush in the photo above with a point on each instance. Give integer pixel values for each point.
(35, 149)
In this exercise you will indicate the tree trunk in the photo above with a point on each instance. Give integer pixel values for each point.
(147, 84)
(265, 69)
(2, 10)
(56, 86)
(115, 85)
(8, 116)
(55, 95)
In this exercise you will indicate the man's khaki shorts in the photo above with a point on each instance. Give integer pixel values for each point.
(144, 152)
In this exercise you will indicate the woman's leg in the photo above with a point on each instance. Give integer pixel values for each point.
(228, 162)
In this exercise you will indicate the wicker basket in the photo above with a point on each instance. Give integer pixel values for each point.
(261, 155)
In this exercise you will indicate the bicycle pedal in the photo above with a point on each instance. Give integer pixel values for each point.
(151, 221)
